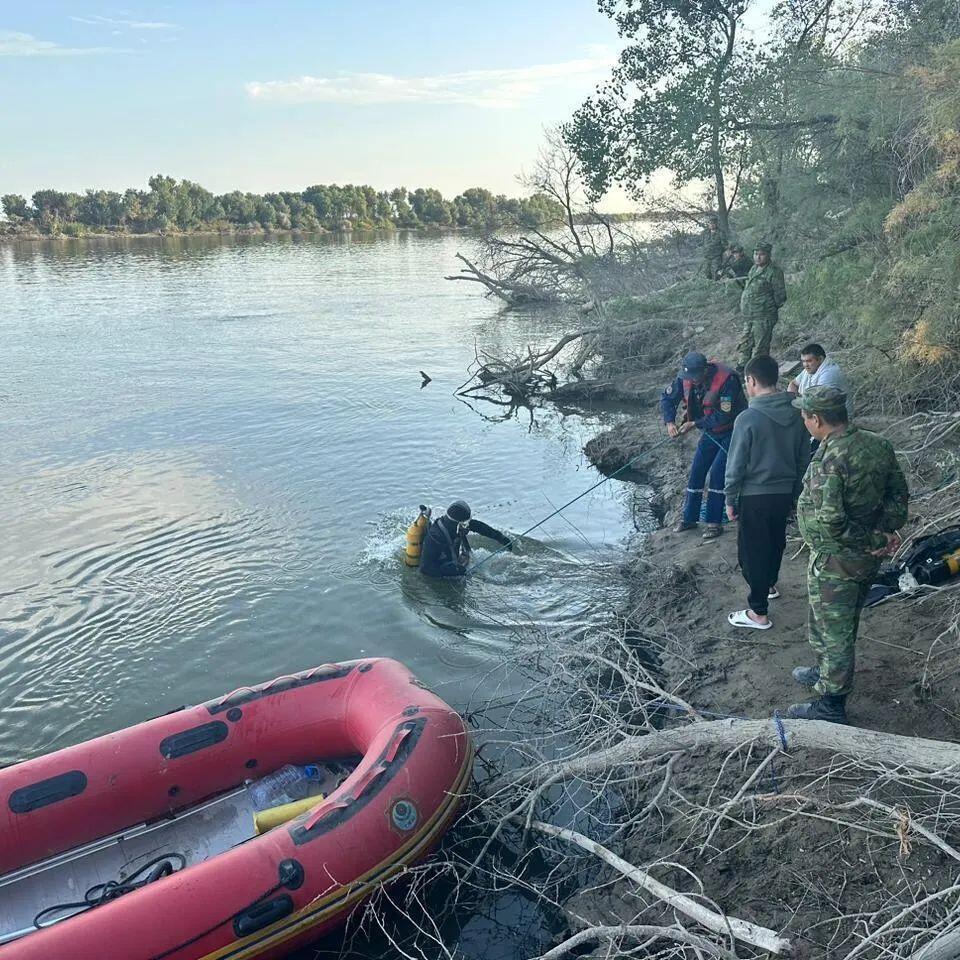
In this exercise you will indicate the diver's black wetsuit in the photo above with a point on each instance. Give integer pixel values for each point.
(446, 552)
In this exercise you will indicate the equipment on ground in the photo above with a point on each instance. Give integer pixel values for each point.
(932, 560)
(935, 558)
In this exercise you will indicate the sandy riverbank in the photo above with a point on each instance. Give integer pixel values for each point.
(772, 859)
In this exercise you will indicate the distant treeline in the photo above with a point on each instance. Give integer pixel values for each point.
(172, 206)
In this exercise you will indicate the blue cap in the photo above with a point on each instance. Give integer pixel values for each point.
(694, 365)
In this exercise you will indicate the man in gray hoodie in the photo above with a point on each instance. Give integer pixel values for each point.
(769, 451)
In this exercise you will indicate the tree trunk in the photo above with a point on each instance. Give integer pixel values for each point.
(716, 156)
(871, 746)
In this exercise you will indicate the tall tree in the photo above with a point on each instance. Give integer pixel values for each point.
(15, 206)
(676, 100)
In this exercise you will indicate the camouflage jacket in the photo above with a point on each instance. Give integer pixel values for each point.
(736, 266)
(765, 291)
(713, 245)
(854, 492)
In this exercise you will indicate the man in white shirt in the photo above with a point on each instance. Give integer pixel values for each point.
(818, 371)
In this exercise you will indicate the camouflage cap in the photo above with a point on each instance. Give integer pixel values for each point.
(822, 400)
(763, 247)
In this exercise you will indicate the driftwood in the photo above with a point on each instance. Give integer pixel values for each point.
(509, 289)
(522, 375)
(868, 746)
(636, 931)
(719, 923)
(945, 947)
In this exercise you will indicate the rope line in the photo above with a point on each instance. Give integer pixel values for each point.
(569, 503)
(781, 731)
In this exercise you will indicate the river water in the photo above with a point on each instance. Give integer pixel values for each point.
(211, 451)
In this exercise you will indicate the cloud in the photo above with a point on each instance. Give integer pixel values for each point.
(496, 89)
(26, 45)
(129, 24)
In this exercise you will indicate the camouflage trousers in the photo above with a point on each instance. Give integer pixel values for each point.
(837, 591)
(756, 336)
(711, 267)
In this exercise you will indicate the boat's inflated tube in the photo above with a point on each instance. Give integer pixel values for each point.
(273, 893)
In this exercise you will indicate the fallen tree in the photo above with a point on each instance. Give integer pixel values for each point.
(867, 746)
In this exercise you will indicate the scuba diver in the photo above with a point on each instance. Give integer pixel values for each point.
(446, 551)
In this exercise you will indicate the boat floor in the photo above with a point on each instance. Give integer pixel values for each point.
(198, 833)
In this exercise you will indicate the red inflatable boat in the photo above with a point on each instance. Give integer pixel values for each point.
(161, 813)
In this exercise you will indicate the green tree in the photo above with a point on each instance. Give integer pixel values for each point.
(430, 207)
(404, 214)
(677, 98)
(15, 207)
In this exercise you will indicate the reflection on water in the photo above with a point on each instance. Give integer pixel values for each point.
(212, 451)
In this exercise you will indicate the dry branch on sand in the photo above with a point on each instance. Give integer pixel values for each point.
(850, 832)
(867, 746)
(724, 925)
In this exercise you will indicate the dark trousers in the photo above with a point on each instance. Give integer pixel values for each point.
(761, 539)
(710, 458)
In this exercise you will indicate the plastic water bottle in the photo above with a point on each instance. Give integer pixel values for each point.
(285, 785)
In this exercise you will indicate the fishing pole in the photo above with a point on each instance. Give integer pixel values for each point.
(579, 496)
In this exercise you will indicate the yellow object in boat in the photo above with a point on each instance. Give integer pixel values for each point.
(268, 819)
(415, 534)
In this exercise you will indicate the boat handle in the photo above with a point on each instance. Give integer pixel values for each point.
(309, 674)
(319, 812)
(234, 693)
(261, 915)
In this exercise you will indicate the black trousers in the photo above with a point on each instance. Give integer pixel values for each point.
(761, 539)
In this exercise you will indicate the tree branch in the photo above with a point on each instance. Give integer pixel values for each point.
(719, 923)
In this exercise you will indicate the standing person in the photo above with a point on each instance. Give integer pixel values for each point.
(736, 265)
(818, 371)
(712, 397)
(446, 550)
(714, 243)
(768, 454)
(763, 295)
(854, 498)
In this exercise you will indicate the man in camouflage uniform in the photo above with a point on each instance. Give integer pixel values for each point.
(736, 265)
(763, 295)
(714, 243)
(854, 498)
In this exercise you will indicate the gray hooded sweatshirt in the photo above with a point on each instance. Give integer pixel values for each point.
(769, 450)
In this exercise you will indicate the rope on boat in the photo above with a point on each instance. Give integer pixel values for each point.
(104, 892)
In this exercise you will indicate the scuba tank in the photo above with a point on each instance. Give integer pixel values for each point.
(938, 569)
(415, 534)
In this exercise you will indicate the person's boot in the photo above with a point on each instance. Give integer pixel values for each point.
(713, 531)
(828, 707)
(806, 676)
(685, 525)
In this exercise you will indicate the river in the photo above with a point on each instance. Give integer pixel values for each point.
(212, 450)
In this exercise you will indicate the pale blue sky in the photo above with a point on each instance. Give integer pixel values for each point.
(278, 95)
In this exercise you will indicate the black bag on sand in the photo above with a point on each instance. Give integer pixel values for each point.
(934, 559)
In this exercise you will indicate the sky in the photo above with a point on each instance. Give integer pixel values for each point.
(277, 95)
